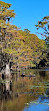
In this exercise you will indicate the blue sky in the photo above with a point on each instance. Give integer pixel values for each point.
(29, 12)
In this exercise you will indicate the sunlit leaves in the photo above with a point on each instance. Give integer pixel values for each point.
(44, 24)
(22, 46)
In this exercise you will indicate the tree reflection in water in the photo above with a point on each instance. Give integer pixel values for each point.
(15, 93)
(42, 73)
(5, 89)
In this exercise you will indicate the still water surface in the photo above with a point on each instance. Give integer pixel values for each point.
(28, 93)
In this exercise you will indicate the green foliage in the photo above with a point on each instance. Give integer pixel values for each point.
(22, 46)
(27, 31)
(44, 24)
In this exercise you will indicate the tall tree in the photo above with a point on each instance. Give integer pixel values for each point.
(5, 15)
(44, 24)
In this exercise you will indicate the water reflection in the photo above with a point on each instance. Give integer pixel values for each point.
(37, 107)
(42, 73)
(41, 104)
(17, 91)
(5, 89)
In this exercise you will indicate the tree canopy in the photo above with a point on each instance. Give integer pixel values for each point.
(44, 24)
(23, 47)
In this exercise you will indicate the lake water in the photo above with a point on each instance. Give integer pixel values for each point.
(25, 93)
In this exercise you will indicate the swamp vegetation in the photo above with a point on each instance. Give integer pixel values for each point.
(19, 47)
(24, 65)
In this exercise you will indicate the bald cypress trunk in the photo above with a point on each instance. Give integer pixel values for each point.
(7, 70)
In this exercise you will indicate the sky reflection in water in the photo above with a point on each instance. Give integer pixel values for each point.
(37, 107)
(42, 104)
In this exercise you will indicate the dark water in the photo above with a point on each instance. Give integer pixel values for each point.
(29, 92)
